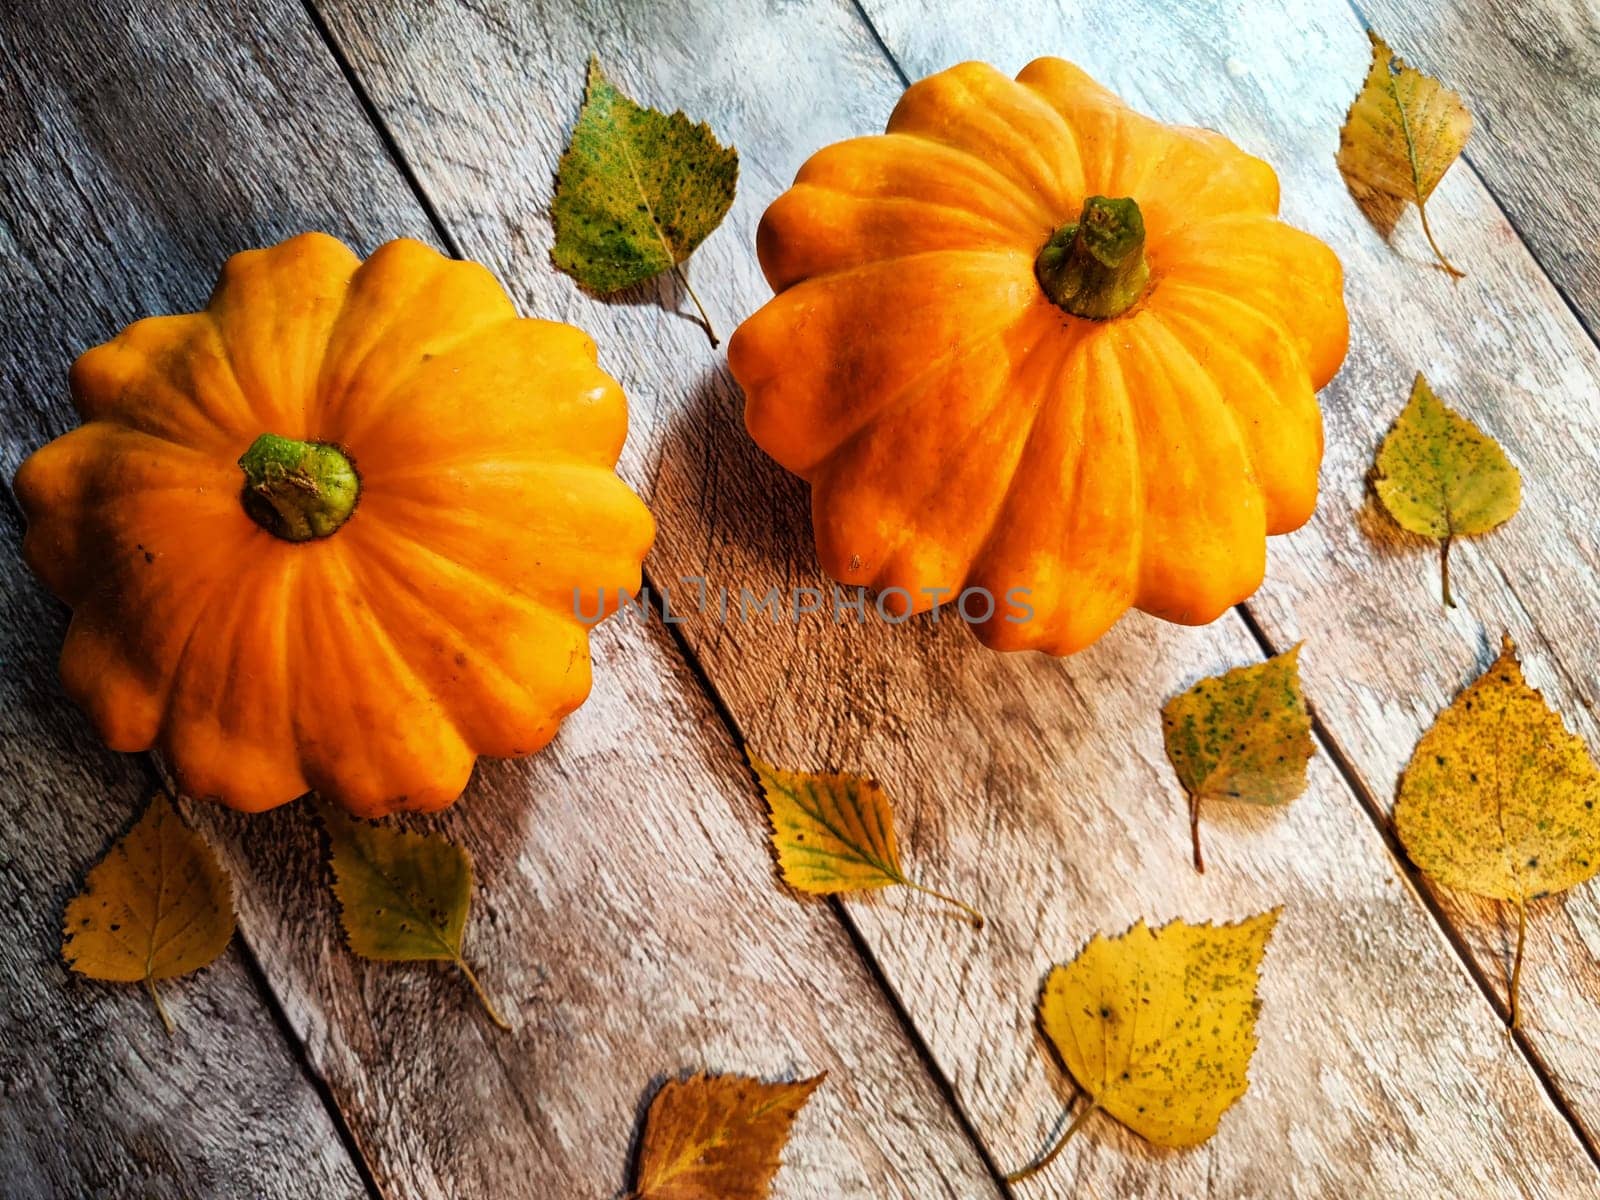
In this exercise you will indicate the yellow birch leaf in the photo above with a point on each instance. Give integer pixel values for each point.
(158, 905)
(717, 1137)
(1500, 800)
(1157, 1027)
(403, 897)
(1402, 133)
(835, 833)
(1244, 735)
(1440, 476)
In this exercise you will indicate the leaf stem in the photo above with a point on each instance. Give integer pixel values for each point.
(705, 320)
(1516, 964)
(483, 996)
(977, 917)
(1194, 833)
(1444, 570)
(1038, 1165)
(161, 1009)
(1454, 271)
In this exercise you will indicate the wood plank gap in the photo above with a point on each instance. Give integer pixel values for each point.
(697, 669)
(1414, 880)
(1500, 206)
(693, 663)
(883, 46)
(1533, 253)
(161, 782)
(1551, 653)
(996, 1172)
(863, 949)
(319, 1084)
(269, 997)
(381, 128)
(1376, 812)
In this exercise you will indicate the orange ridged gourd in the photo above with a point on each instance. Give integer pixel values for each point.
(1031, 339)
(326, 533)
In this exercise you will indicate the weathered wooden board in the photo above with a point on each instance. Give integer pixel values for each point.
(1382, 657)
(628, 919)
(95, 1099)
(1530, 72)
(1036, 787)
(629, 926)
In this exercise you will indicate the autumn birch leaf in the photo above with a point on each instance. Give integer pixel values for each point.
(1500, 800)
(1402, 133)
(1157, 1027)
(156, 906)
(1245, 736)
(1440, 476)
(403, 897)
(835, 833)
(717, 1137)
(636, 192)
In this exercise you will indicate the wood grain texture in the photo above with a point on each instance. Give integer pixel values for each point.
(1382, 657)
(1530, 72)
(1036, 788)
(139, 148)
(628, 924)
(95, 1099)
(628, 919)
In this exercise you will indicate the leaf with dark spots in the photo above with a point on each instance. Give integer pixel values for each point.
(1440, 476)
(403, 897)
(1243, 736)
(636, 192)
(1498, 799)
(158, 905)
(1157, 1027)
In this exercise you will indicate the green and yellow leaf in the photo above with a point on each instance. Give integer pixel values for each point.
(717, 1137)
(158, 905)
(403, 897)
(1157, 1027)
(1244, 735)
(1402, 133)
(835, 833)
(1500, 800)
(1440, 476)
(636, 192)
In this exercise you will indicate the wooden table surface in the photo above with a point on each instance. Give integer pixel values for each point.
(628, 918)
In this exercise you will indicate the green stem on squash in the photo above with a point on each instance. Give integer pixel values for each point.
(298, 490)
(1095, 267)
